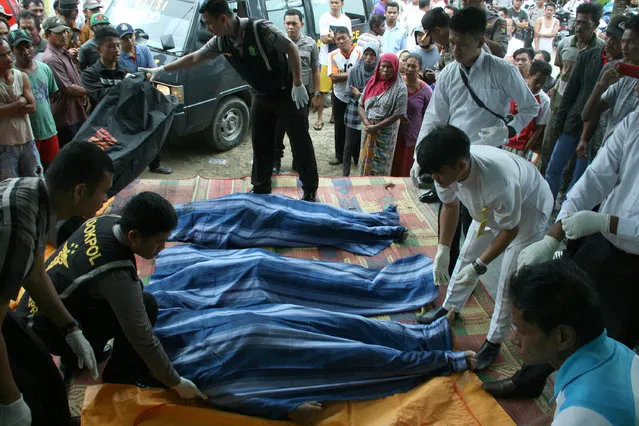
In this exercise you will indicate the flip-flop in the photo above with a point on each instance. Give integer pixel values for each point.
(318, 126)
(163, 170)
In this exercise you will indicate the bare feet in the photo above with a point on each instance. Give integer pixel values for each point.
(307, 413)
(471, 359)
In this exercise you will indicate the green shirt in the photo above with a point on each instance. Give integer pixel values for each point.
(42, 84)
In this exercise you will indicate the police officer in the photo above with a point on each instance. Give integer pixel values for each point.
(95, 274)
(496, 28)
(270, 62)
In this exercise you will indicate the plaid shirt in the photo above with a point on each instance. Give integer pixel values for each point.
(25, 219)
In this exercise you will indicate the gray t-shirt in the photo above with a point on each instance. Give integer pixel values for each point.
(430, 58)
(622, 99)
(522, 16)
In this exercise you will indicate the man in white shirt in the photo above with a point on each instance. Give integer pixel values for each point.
(394, 38)
(509, 203)
(342, 60)
(605, 244)
(328, 21)
(413, 13)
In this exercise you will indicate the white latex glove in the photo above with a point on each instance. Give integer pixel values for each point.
(153, 71)
(440, 265)
(467, 275)
(187, 390)
(415, 171)
(494, 136)
(15, 414)
(83, 350)
(538, 252)
(585, 223)
(299, 95)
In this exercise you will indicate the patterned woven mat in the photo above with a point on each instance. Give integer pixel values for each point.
(368, 194)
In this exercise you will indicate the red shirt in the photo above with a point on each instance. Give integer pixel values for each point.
(519, 141)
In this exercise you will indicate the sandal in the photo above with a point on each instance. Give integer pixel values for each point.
(163, 170)
(318, 126)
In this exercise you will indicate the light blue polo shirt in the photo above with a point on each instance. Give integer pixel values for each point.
(394, 39)
(598, 385)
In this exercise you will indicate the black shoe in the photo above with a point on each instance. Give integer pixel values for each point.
(508, 389)
(277, 166)
(335, 162)
(432, 315)
(487, 355)
(259, 191)
(105, 354)
(309, 196)
(429, 197)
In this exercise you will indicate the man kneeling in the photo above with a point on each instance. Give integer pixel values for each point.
(558, 320)
(95, 274)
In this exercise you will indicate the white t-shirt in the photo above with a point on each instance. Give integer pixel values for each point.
(340, 64)
(325, 23)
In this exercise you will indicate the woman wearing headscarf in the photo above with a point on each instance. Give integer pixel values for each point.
(381, 106)
(419, 94)
(357, 79)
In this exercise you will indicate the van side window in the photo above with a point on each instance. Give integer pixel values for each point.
(277, 8)
(354, 9)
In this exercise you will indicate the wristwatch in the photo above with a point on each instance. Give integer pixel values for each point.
(318, 93)
(69, 327)
(479, 268)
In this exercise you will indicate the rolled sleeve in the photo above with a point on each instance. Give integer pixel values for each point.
(124, 295)
(519, 92)
(457, 361)
(210, 50)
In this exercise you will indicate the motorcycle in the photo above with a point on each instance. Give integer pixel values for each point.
(565, 25)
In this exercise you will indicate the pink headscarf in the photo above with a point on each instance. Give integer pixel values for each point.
(376, 86)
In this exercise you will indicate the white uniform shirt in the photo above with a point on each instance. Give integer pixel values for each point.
(495, 82)
(508, 186)
(325, 23)
(613, 180)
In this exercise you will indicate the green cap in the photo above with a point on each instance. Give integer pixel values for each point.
(99, 18)
(16, 37)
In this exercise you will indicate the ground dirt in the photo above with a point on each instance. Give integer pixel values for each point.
(194, 156)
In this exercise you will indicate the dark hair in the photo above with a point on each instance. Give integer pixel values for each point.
(102, 33)
(56, 5)
(376, 19)
(470, 21)
(424, 3)
(27, 14)
(294, 12)
(527, 51)
(558, 292)
(545, 54)
(76, 163)
(632, 23)
(215, 8)
(541, 67)
(550, 4)
(66, 13)
(451, 7)
(4, 21)
(417, 58)
(445, 145)
(393, 4)
(148, 213)
(435, 18)
(341, 30)
(27, 3)
(503, 9)
(594, 9)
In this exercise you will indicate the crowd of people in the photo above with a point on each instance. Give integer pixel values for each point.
(60, 73)
(500, 142)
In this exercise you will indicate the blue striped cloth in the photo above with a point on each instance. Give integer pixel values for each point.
(250, 220)
(208, 278)
(269, 359)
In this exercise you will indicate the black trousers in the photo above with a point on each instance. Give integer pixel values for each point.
(352, 145)
(462, 226)
(615, 275)
(265, 115)
(36, 375)
(99, 324)
(66, 134)
(155, 163)
(279, 133)
(339, 111)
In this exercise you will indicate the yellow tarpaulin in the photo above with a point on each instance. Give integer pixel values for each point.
(454, 400)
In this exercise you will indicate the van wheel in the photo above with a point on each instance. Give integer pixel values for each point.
(230, 124)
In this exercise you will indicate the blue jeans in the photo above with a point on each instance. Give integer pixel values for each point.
(564, 150)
